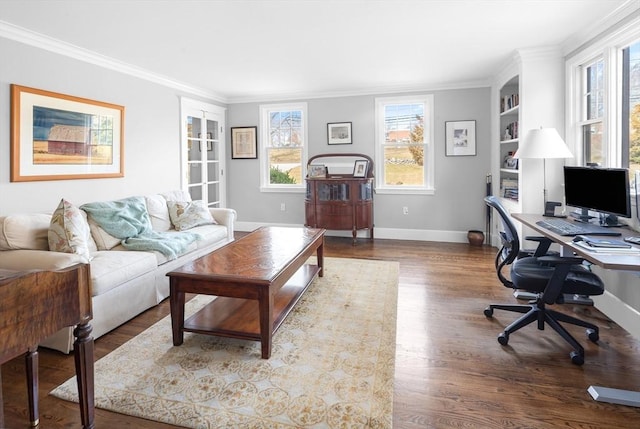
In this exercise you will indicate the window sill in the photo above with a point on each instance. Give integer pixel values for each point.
(284, 190)
(405, 191)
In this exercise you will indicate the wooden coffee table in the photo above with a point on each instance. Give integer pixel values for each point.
(257, 280)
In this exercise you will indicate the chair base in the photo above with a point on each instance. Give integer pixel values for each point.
(537, 312)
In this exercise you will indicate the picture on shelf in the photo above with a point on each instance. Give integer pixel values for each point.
(317, 170)
(360, 168)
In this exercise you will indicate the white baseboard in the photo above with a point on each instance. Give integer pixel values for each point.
(382, 233)
(619, 311)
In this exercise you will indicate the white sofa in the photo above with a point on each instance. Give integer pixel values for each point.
(124, 282)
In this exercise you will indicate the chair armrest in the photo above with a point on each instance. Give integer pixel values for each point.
(557, 260)
(543, 244)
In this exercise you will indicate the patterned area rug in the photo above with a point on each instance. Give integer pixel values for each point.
(332, 364)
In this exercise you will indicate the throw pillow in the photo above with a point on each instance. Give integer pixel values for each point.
(189, 214)
(68, 231)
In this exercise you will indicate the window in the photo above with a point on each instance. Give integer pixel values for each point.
(283, 142)
(630, 109)
(591, 121)
(604, 114)
(404, 144)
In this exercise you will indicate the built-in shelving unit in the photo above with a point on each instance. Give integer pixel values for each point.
(509, 139)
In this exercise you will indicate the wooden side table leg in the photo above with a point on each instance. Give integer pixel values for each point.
(176, 305)
(83, 353)
(265, 309)
(1, 404)
(320, 257)
(31, 361)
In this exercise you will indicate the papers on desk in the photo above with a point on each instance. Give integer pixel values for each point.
(619, 247)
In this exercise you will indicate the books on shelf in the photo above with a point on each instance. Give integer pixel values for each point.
(508, 102)
(509, 188)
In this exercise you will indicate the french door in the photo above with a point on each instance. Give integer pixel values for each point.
(203, 152)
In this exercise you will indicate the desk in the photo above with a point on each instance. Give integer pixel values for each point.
(37, 304)
(609, 261)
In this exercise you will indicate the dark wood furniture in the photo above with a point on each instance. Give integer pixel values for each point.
(340, 201)
(37, 304)
(257, 280)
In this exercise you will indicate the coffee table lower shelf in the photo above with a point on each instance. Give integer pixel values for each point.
(240, 317)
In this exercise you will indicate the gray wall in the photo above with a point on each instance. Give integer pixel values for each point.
(152, 129)
(460, 181)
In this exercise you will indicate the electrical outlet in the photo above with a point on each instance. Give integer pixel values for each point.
(283, 207)
(405, 210)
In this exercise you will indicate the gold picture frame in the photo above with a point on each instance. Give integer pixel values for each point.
(59, 137)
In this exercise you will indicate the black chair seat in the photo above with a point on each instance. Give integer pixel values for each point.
(529, 274)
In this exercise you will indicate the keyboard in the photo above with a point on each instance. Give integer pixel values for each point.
(566, 228)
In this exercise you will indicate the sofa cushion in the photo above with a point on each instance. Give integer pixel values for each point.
(25, 231)
(158, 212)
(189, 214)
(69, 231)
(210, 234)
(110, 269)
(104, 240)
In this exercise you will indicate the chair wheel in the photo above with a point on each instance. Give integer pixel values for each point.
(593, 335)
(488, 311)
(576, 358)
(503, 339)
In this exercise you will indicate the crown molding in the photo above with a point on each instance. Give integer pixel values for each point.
(38, 40)
(380, 90)
(31, 38)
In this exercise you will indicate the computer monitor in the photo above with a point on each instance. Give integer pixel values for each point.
(604, 190)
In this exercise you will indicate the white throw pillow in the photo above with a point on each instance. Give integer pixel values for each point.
(189, 214)
(104, 240)
(68, 231)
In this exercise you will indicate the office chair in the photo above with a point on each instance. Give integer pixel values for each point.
(549, 277)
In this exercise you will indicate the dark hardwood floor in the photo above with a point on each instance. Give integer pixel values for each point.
(450, 370)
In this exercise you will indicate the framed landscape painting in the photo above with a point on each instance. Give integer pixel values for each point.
(60, 137)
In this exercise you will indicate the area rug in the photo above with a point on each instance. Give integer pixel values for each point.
(332, 363)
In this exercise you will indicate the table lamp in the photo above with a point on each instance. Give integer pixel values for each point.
(544, 143)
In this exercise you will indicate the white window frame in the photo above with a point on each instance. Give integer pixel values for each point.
(264, 144)
(429, 153)
(609, 48)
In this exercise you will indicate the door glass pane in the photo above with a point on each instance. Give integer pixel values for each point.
(195, 173)
(213, 150)
(213, 171)
(214, 194)
(195, 192)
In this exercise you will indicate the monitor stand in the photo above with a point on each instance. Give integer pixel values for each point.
(605, 220)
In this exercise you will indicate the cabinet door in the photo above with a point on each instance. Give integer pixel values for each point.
(204, 147)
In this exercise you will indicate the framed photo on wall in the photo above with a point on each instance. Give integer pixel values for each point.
(244, 142)
(339, 133)
(60, 137)
(460, 138)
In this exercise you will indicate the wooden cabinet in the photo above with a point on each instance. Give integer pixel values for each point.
(340, 201)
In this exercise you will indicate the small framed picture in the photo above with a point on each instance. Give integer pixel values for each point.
(244, 142)
(339, 133)
(460, 137)
(360, 168)
(317, 170)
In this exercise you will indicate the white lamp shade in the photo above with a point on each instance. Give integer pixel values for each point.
(543, 143)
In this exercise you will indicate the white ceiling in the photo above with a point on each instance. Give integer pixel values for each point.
(241, 50)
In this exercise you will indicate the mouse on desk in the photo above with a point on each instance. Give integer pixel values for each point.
(579, 238)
